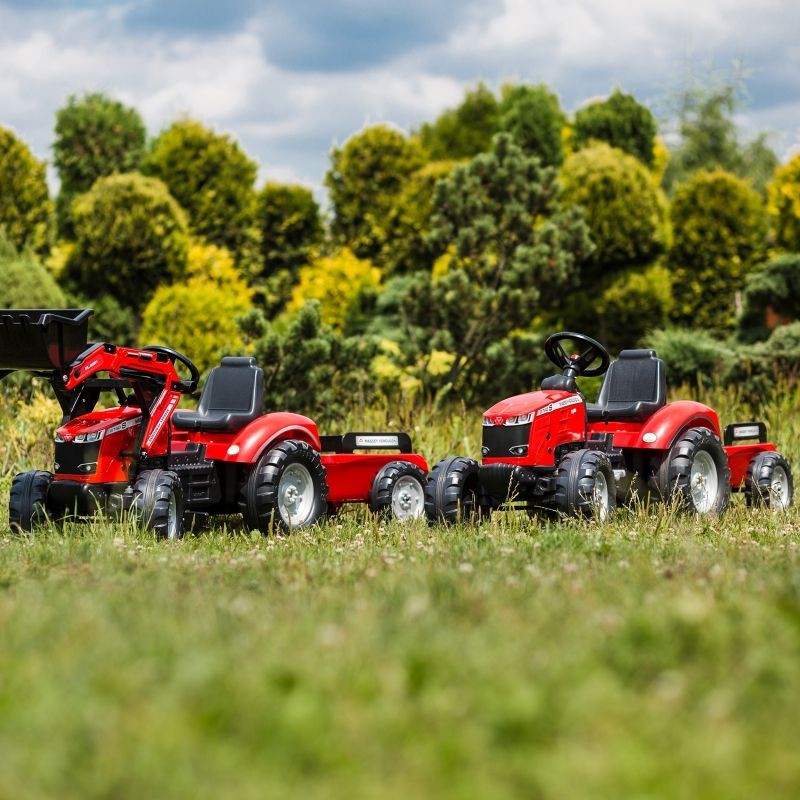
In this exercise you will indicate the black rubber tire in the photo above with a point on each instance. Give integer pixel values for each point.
(27, 503)
(383, 487)
(758, 481)
(452, 491)
(673, 478)
(576, 479)
(154, 492)
(258, 495)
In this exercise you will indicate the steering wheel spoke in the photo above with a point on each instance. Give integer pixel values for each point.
(581, 364)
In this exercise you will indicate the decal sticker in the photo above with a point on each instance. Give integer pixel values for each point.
(124, 425)
(746, 431)
(567, 401)
(160, 424)
(377, 441)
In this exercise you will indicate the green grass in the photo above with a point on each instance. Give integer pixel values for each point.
(653, 657)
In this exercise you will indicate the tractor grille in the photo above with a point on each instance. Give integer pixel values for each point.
(76, 459)
(499, 439)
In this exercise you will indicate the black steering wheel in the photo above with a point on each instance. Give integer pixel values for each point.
(577, 365)
(186, 386)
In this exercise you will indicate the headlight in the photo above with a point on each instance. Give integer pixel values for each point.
(82, 438)
(487, 423)
(59, 437)
(522, 419)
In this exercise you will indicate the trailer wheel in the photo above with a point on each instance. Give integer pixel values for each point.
(399, 491)
(696, 473)
(27, 504)
(453, 491)
(158, 503)
(769, 481)
(585, 485)
(287, 488)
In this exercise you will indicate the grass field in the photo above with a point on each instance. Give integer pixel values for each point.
(653, 657)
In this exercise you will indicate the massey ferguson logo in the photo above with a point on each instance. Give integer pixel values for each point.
(498, 420)
(66, 436)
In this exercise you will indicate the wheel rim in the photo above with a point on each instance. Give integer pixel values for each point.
(172, 517)
(408, 498)
(703, 482)
(295, 495)
(600, 500)
(779, 488)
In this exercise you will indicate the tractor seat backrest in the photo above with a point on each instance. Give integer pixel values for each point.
(634, 388)
(232, 397)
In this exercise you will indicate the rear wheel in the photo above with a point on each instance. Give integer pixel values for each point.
(399, 491)
(452, 491)
(158, 503)
(287, 487)
(695, 472)
(769, 481)
(27, 504)
(585, 485)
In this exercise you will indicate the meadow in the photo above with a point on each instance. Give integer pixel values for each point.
(656, 656)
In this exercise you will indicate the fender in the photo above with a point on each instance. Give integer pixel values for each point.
(253, 439)
(670, 421)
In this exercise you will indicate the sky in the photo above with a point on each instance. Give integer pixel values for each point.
(292, 79)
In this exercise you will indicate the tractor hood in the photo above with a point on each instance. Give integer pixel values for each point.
(523, 408)
(98, 424)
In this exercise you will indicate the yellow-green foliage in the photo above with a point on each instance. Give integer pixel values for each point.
(784, 204)
(623, 206)
(26, 211)
(342, 283)
(197, 317)
(24, 281)
(26, 428)
(719, 228)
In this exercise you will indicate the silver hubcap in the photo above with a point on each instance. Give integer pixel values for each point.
(600, 496)
(703, 482)
(295, 495)
(172, 517)
(779, 489)
(408, 498)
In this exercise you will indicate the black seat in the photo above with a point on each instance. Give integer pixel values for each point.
(634, 388)
(232, 397)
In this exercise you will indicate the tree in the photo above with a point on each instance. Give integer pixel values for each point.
(509, 249)
(784, 204)
(213, 180)
(290, 226)
(533, 116)
(364, 181)
(771, 298)
(719, 228)
(131, 236)
(198, 316)
(624, 209)
(620, 121)
(26, 211)
(95, 136)
(344, 286)
(26, 283)
(464, 131)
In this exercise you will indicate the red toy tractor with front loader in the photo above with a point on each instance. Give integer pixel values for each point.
(146, 457)
(551, 451)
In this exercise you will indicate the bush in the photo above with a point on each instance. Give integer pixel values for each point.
(625, 210)
(95, 136)
(771, 298)
(198, 317)
(344, 286)
(620, 121)
(131, 237)
(719, 228)
(26, 211)
(25, 282)
(533, 116)
(784, 204)
(691, 356)
(365, 179)
(213, 180)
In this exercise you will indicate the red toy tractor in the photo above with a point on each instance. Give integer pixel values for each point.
(551, 451)
(146, 457)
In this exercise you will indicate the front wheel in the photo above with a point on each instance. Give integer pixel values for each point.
(27, 504)
(287, 487)
(769, 481)
(158, 503)
(399, 490)
(452, 491)
(695, 472)
(585, 485)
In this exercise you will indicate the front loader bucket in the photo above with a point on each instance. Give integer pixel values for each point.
(42, 339)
